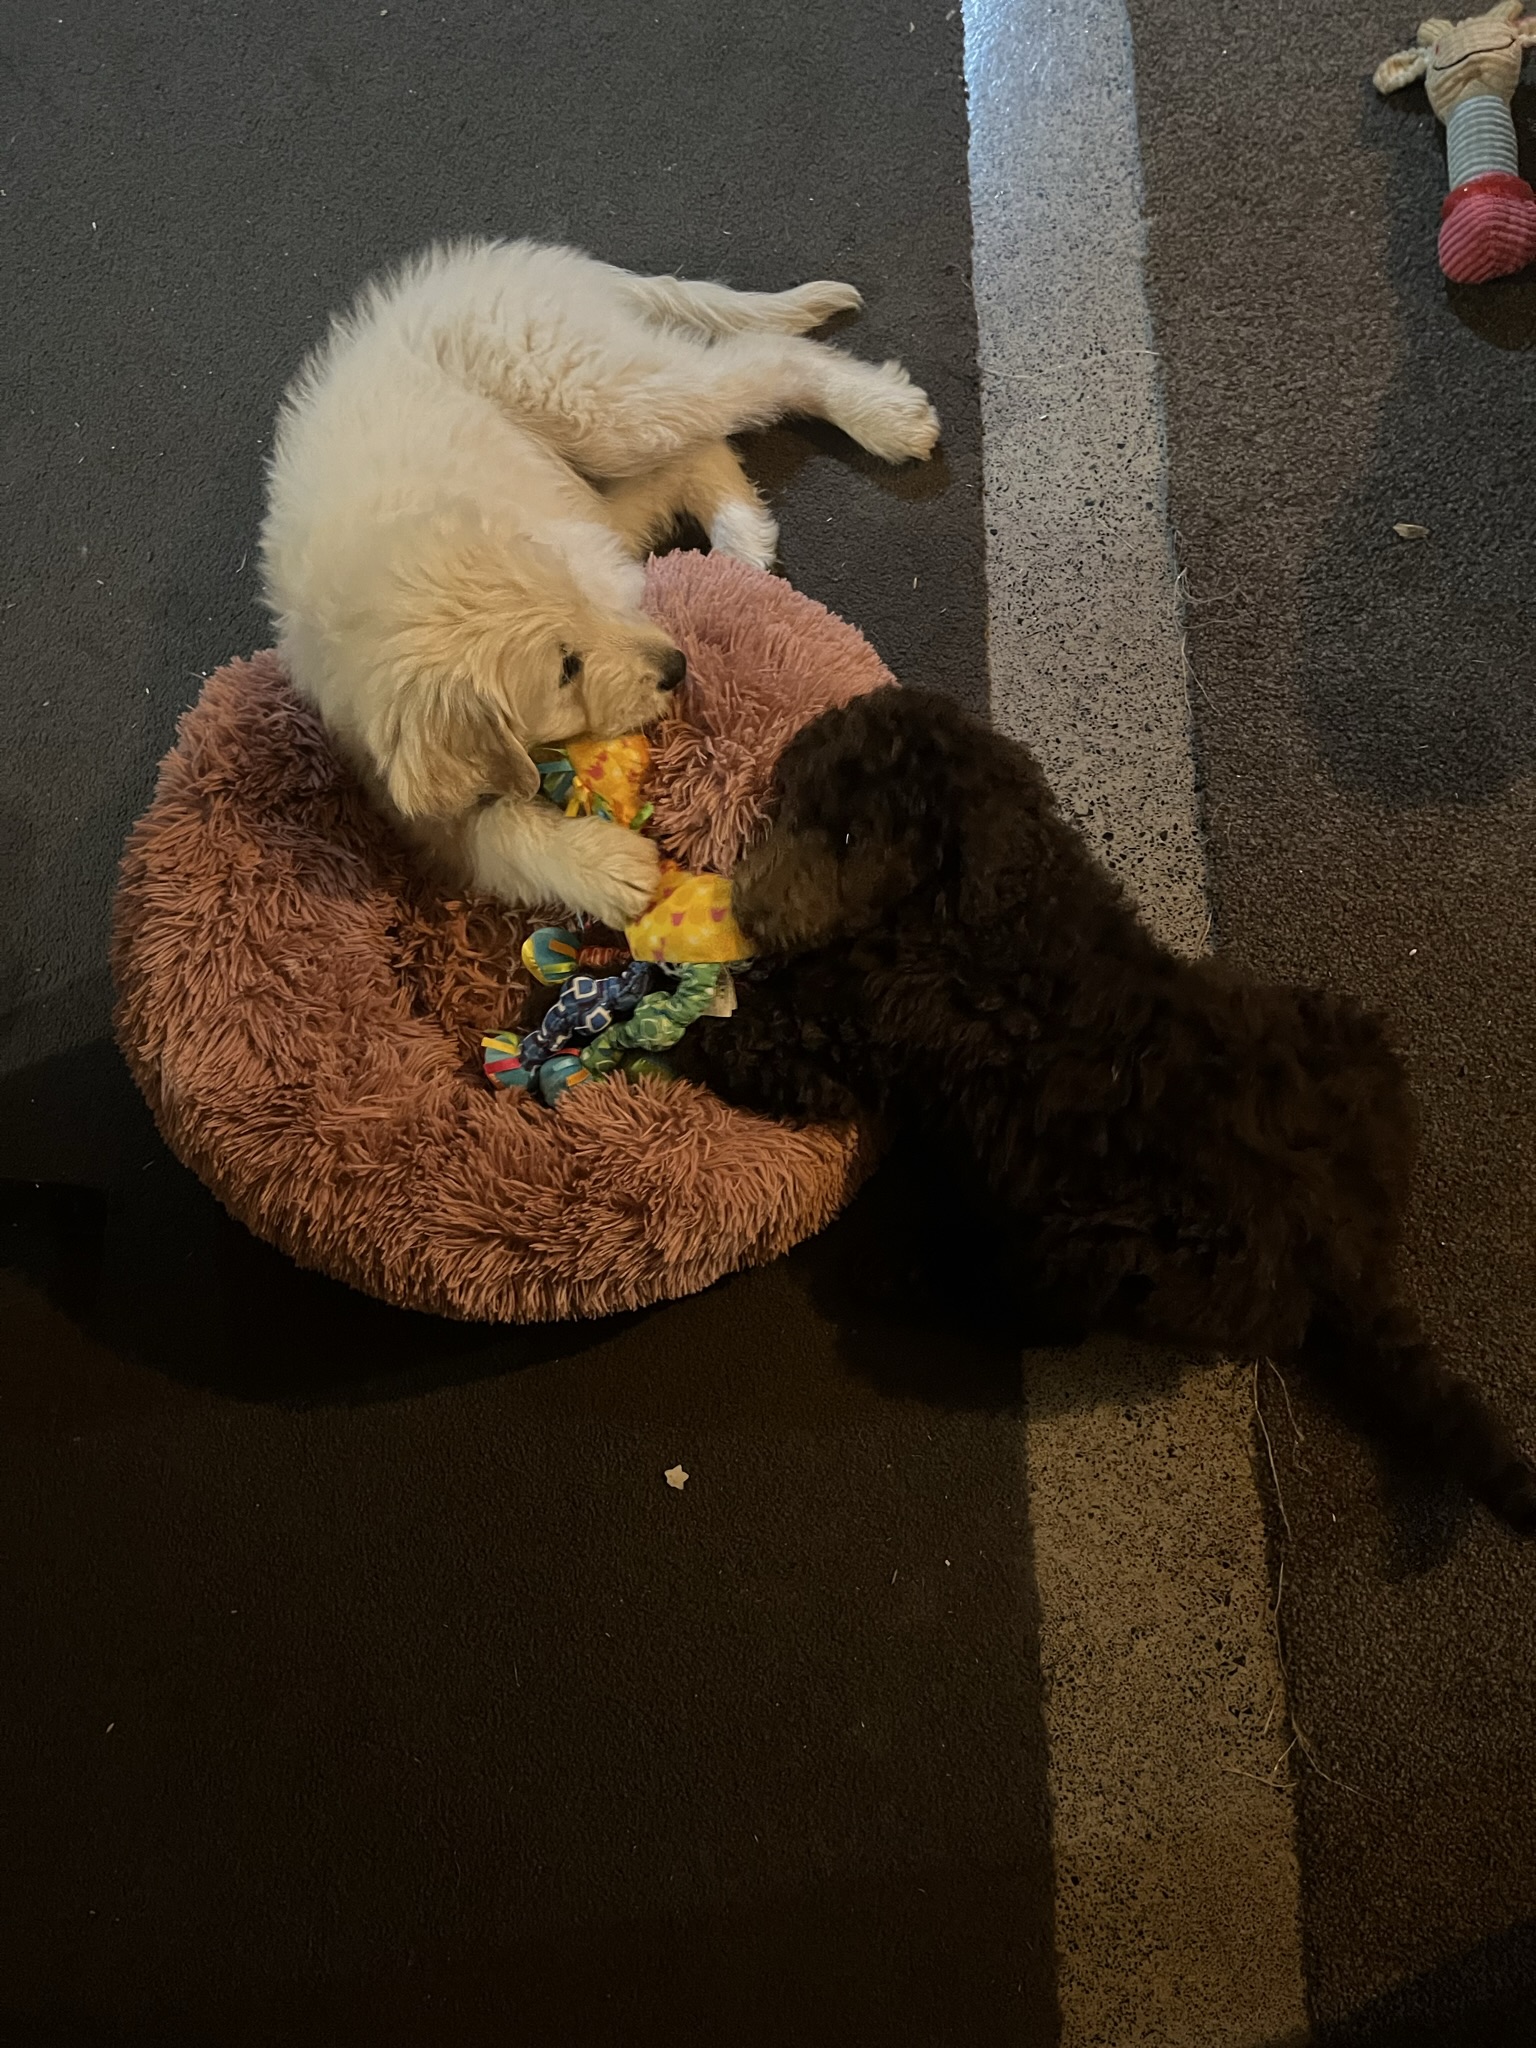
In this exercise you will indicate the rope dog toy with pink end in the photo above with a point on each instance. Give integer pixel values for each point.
(1470, 69)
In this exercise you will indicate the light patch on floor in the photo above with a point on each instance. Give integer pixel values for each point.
(1176, 1880)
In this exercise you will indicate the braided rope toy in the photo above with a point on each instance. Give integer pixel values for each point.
(1470, 70)
(597, 1026)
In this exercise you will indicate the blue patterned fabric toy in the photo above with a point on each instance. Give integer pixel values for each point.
(626, 1020)
(585, 1008)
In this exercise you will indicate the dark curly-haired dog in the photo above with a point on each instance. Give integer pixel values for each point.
(1161, 1145)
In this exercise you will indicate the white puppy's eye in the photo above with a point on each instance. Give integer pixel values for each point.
(570, 669)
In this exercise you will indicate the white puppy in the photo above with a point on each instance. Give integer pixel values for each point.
(465, 479)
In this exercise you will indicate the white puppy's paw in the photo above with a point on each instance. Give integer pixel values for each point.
(885, 412)
(614, 873)
(747, 532)
(814, 303)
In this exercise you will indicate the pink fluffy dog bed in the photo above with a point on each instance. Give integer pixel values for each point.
(304, 1015)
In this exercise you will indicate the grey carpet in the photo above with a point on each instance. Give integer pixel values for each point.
(365, 1679)
(1366, 730)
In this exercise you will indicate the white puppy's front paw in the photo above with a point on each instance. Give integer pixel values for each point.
(885, 412)
(746, 532)
(614, 873)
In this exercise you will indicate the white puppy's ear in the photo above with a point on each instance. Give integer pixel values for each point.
(442, 746)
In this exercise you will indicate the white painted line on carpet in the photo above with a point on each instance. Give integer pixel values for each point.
(1176, 1880)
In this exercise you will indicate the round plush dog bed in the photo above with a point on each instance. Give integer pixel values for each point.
(304, 1013)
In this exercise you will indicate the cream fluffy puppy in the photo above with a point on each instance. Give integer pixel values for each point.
(465, 479)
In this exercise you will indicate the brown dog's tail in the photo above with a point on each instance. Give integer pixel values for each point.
(1383, 1360)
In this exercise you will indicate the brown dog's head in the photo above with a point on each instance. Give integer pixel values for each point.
(867, 816)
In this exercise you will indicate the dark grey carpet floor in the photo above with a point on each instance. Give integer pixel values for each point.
(364, 1680)
(1366, 723)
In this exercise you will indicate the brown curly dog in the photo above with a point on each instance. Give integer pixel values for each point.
(1160, 1145)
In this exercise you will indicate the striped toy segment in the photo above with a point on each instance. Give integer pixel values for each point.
(1479, 138)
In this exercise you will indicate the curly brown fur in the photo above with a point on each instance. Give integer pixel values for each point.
(1168, 1146)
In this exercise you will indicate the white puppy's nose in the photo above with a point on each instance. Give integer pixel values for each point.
(674, 667)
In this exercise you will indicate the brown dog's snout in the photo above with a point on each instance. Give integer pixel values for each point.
(674, 666)
(785, 892)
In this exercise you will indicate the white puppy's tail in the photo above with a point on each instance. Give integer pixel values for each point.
(714, 309)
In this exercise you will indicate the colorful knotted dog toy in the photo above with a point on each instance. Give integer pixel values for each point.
(619, 1018)
(690, 922)
(586, 1008)
(599, 778)
(623, 1020)
(658, 1021)
(1470, 69)
(691, 918)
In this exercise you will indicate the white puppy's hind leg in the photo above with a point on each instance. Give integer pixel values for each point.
(710, 485)
(724, 500)
(692, 392)
(747, 531)
(526, 853)
(715, 309)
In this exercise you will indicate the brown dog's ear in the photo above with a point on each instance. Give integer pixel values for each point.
(443, 746)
